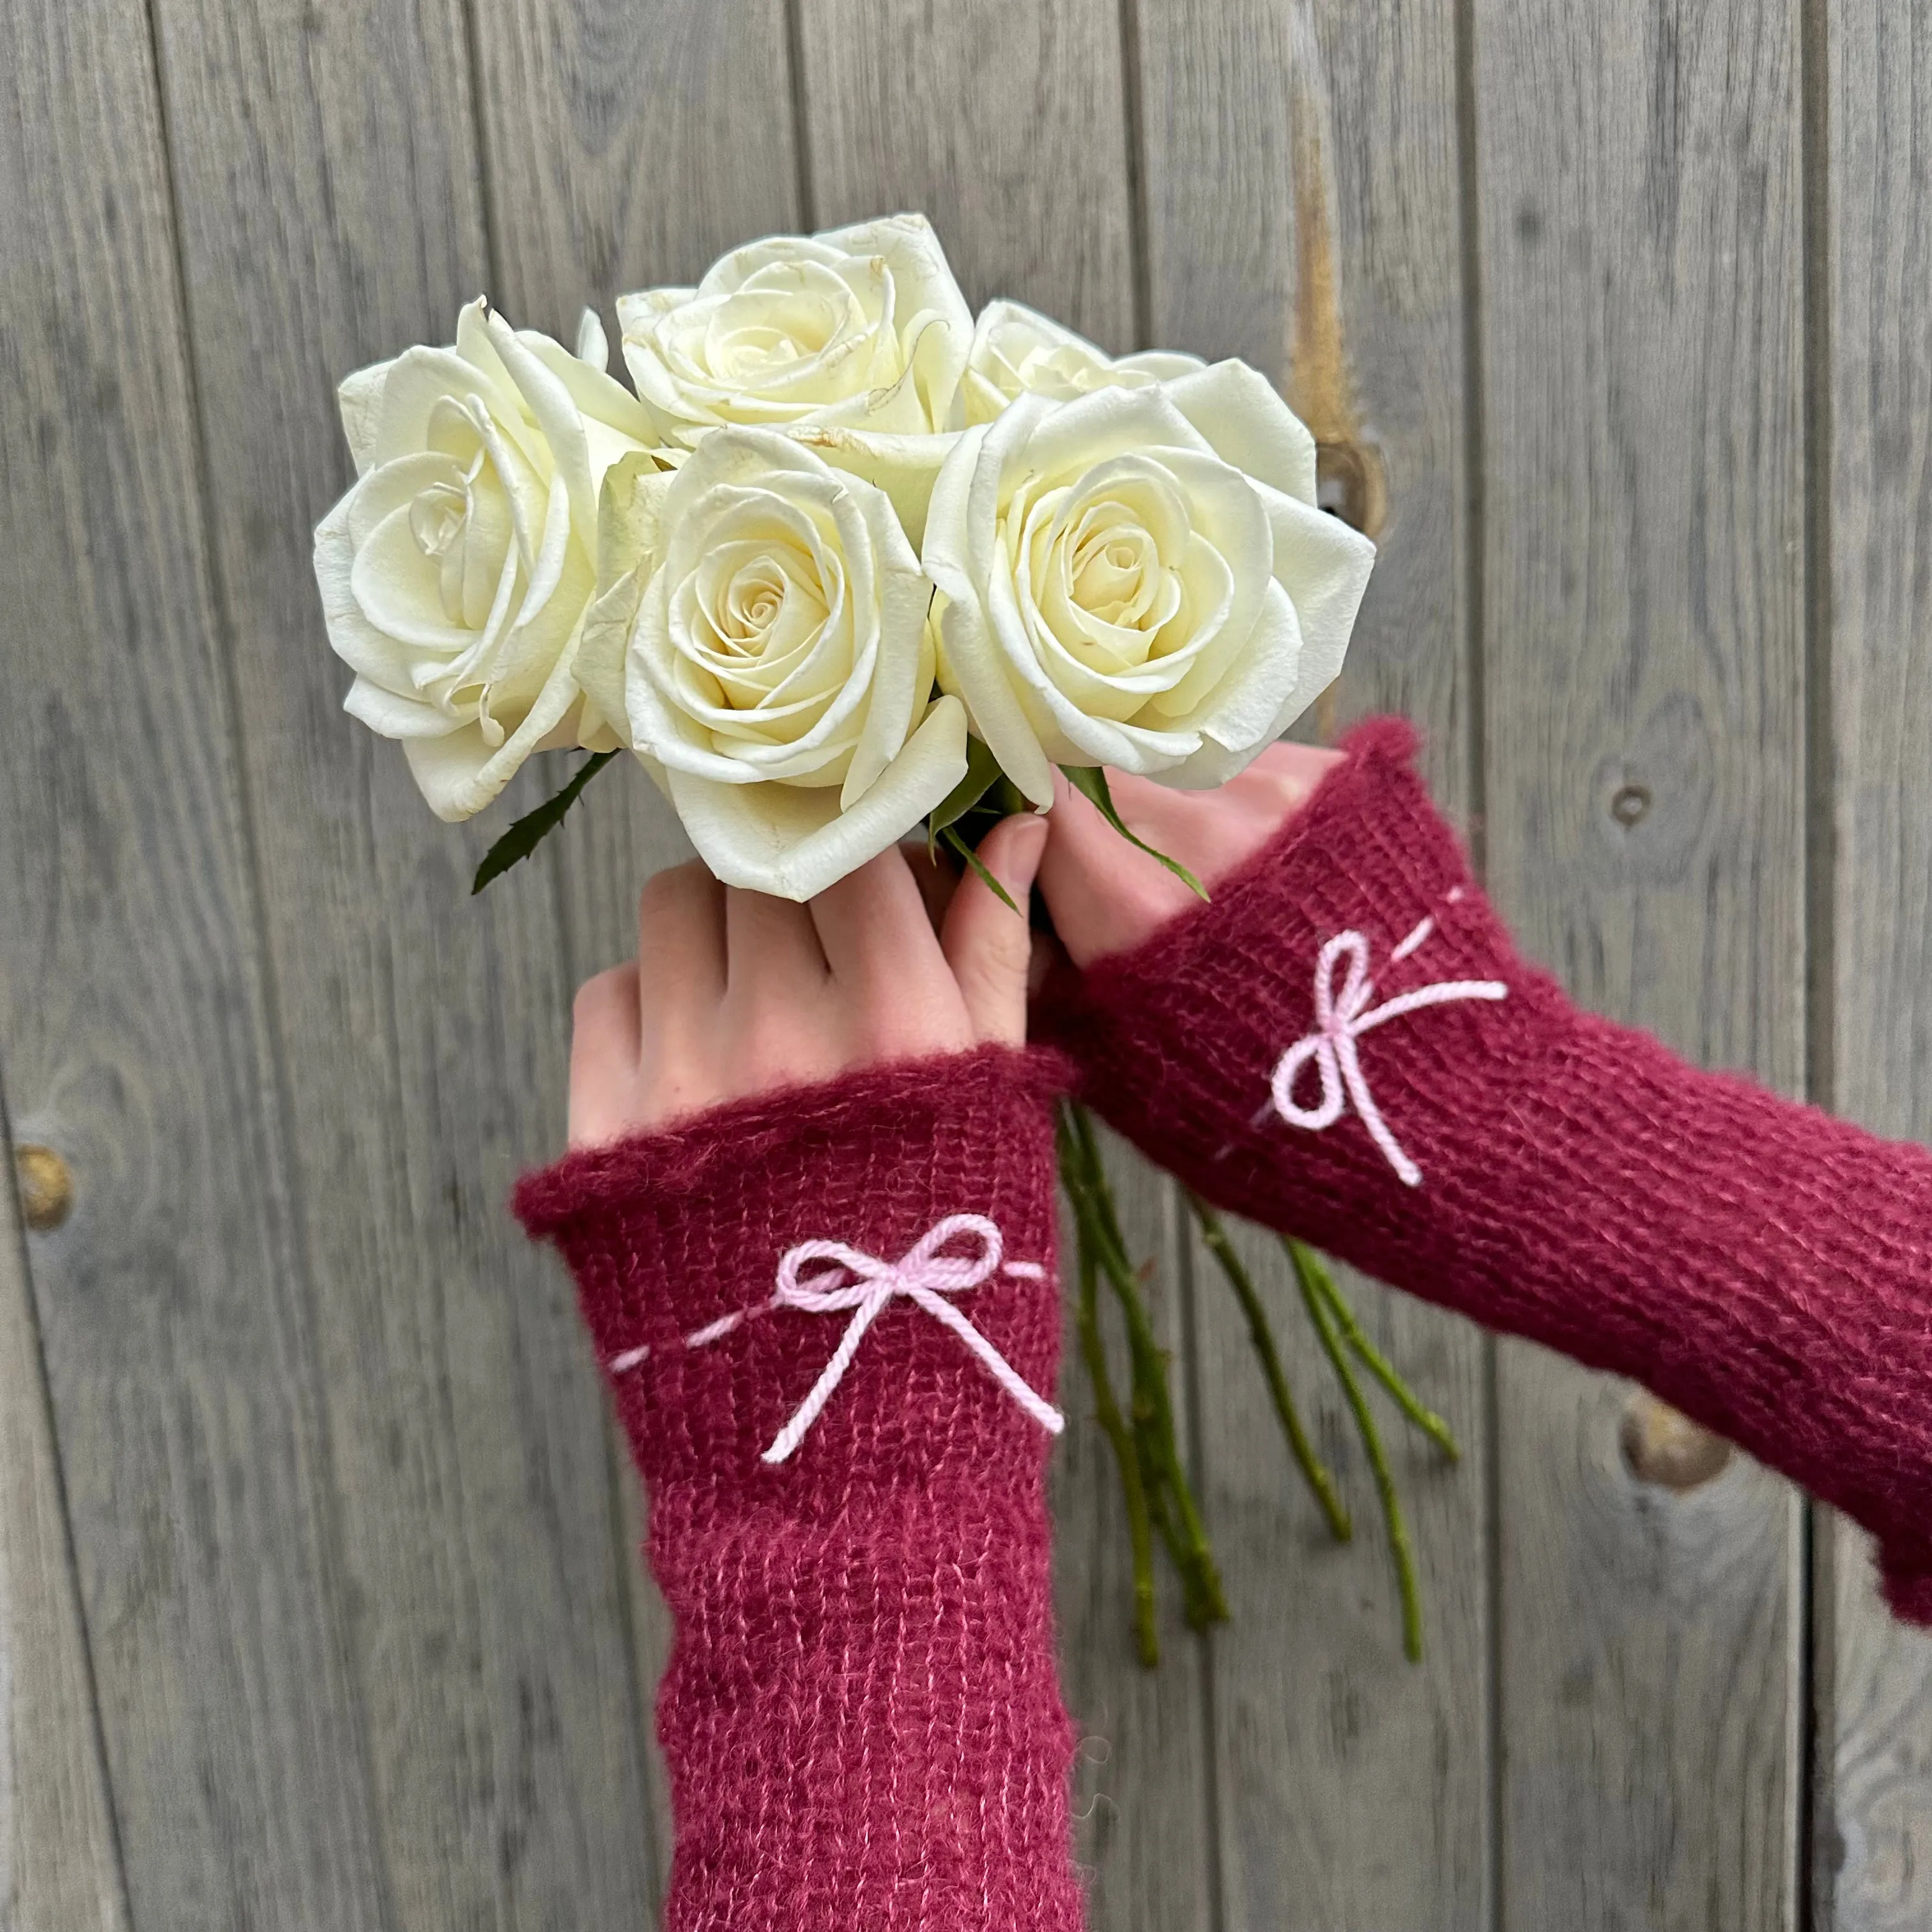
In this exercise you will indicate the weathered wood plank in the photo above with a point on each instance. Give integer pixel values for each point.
(60, 1863)
(1873, 1853)
(1641, 322)
(172, 1312)
(1301, 172)
(180, 1364)
(1005, 123)
(327, 172)
(627, 149)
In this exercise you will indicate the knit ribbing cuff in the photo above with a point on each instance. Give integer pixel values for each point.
(1352, 958)
(1345, 1045)
(679, 1238)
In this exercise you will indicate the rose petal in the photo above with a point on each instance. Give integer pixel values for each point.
(1324, 565)
(459, 773)
(359, 400)
(863, 327)
(959, 533)
(905, 467)
(593, 346)
(389, 714)
(794, 843)
(1243, 419)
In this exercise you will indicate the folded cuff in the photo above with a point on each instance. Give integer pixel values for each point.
(786, 1126)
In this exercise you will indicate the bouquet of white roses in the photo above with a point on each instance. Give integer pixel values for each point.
(849, 566)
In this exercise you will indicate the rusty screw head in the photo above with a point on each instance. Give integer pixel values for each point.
(47, 1186)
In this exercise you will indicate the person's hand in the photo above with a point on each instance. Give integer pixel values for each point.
(1106, 896)
(733, 993)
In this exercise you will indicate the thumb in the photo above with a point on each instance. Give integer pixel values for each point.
(986, 942)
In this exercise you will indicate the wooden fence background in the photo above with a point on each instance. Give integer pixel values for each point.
(319, 1605)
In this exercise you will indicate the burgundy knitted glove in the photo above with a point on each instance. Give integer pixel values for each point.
(1345, 1044)
(861, 1714)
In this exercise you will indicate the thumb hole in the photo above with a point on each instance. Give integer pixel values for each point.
(986, 942)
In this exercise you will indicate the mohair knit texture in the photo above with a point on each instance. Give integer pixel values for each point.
(1763, 1267)
(861, 1714)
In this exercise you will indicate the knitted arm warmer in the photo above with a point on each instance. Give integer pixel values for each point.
(1344, 1045)
(861, 1716)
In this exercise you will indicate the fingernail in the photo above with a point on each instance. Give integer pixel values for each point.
(1024, 845)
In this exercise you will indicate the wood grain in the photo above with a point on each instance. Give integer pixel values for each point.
(629, 146)
(1300, 171)
(328, 176)
(60, 1863)
(1004, 122)
(1641, 320)
(172, 1301)
(1874, 1849)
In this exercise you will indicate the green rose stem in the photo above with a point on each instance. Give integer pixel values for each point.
(1113, 1425)
(1385, 1371)
(1313, 1469)
(1319, 1294)
(1171, 1496)
(1158, 1489)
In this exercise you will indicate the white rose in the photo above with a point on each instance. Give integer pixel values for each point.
(456, 571)
(863, 327)
(1139, 578)
(1018, 352)
(1014, 351)
(766, 620)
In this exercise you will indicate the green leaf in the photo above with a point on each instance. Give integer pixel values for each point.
(529, 831)
(951, 839)
(1090, 781)
(982, 772)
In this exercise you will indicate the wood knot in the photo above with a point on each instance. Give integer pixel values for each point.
(47, 1186)
(1349, 484)
(1669, 1450)
(1630, 804)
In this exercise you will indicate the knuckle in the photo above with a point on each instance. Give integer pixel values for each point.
(1008, 946)
(596, 997)
(671, 887)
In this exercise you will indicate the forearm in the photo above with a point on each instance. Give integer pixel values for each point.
(861, 1716)
(1449, 1122)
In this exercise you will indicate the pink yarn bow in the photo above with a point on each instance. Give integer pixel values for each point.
(1340, 1019)
(865, 1284)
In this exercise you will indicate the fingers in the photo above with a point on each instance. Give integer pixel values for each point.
(892, 989)
(771, 946)
(640, 1030)
(937, 880)
(987, 943)
(1166, 817)
(1105, 894)
(681, 941)
(875, 930)
(1287, 774)
(604, 1048)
